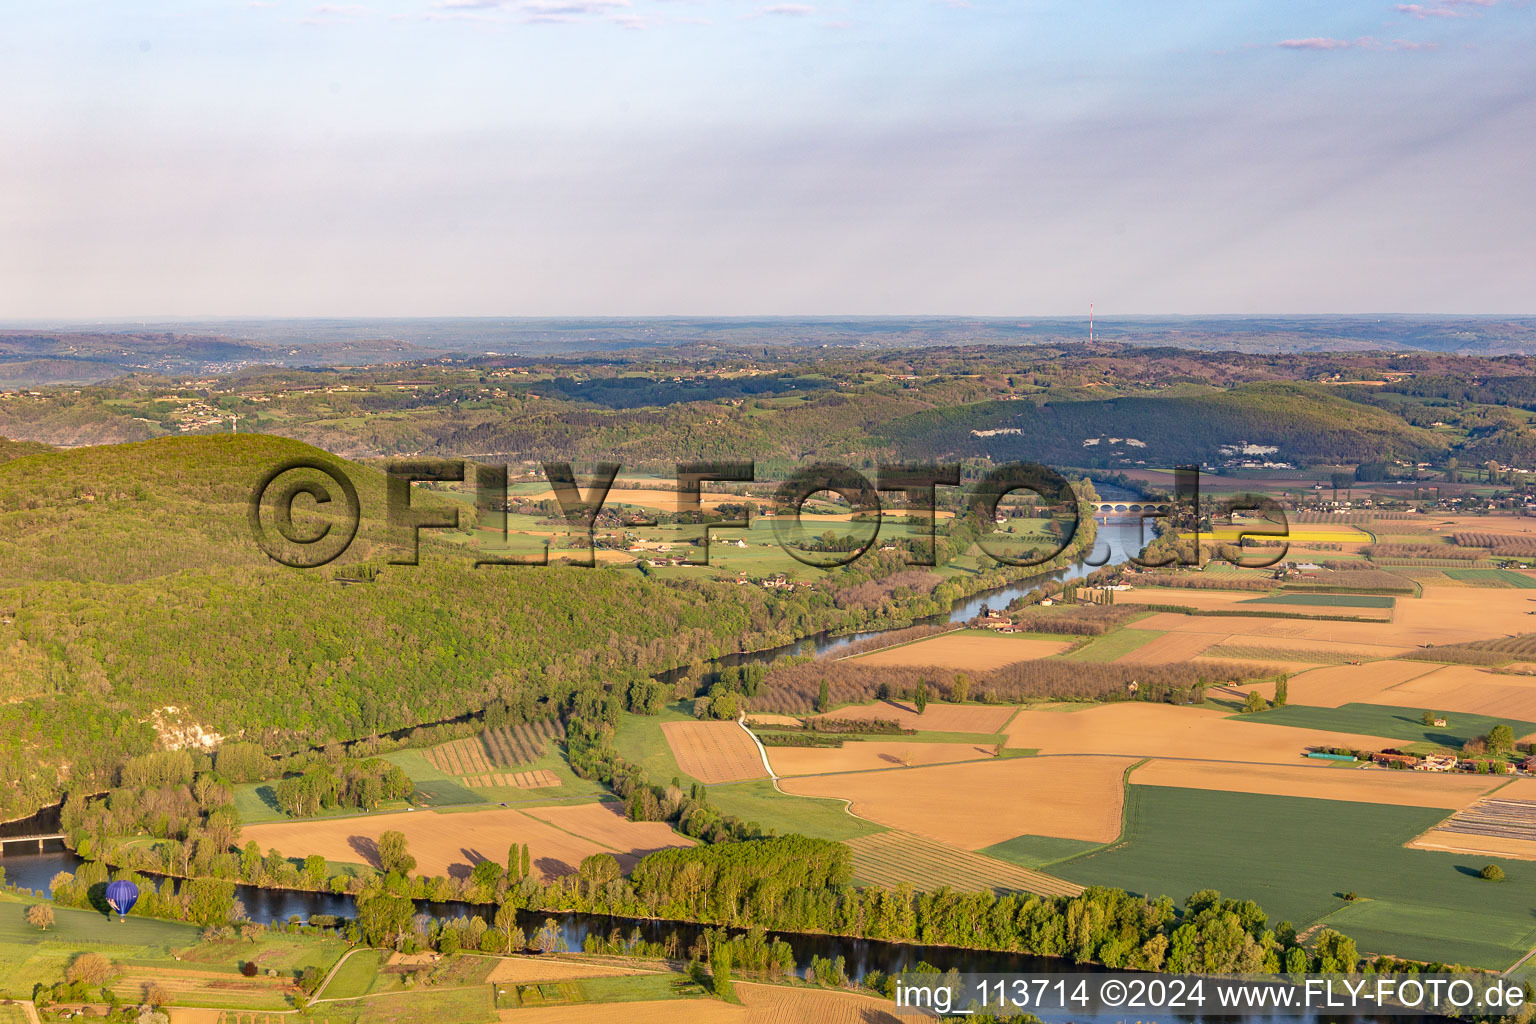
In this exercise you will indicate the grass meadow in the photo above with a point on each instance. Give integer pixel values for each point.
(1297, 857)
(1397, 723)
(820, 819)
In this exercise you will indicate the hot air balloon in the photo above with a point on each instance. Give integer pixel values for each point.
(121, 896)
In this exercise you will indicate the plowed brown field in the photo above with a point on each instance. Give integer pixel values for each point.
(520, 970)
(452, 843)
(775, 1004)
(1367, 786)
(714, 751)
(605, 823)
(961, 804)
(1171, 647)
(1468, 689)
(868, 755)
(657, 1011)
(1135, 728)
(966, 652)
(1373, 682)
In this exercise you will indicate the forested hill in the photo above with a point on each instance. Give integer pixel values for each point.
(129, 584)
(1306, 423)
(16, 449)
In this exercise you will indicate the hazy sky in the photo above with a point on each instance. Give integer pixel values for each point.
(424, 157)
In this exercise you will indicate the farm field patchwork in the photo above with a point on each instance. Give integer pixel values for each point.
(967, 651)
(714, 751)
(1072, 797)
(1295, 856)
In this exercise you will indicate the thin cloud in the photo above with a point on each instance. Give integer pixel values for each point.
(1326, 43)
(1445, 9)
(559, 8)
(1314, 43)
(789, 9)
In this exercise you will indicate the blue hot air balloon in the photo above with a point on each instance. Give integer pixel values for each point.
(121, 896)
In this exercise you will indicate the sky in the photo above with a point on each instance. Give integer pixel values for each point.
(738, 157)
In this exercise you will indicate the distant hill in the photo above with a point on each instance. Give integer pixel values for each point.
(65, 352)
(29, 358)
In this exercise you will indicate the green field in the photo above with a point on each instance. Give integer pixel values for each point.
(356, 976)
(1493, 577)
(1392, 722)
(1038, 851)
(1327, 600)
(809, 816)
(639, 740)
(150, 936)
(1112, 645)
(637, 988)
(1297, 856)
(437, 1005)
